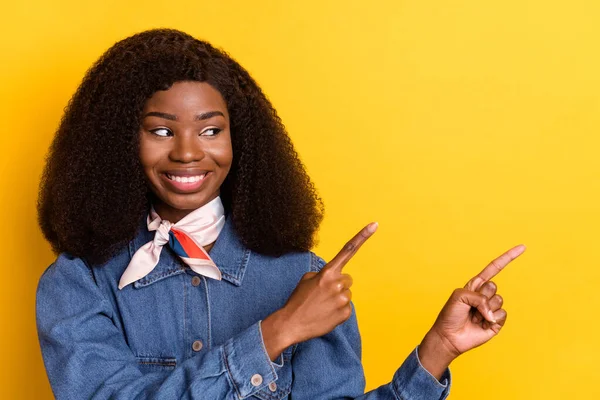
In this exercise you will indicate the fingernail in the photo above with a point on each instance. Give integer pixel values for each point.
(372, 227)
(492, 319)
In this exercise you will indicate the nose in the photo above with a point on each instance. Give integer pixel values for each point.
(186, 148)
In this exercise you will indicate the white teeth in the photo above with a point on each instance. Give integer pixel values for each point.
(186, 179)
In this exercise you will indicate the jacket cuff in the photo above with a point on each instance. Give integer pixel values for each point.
(247, 362)
(413, 382)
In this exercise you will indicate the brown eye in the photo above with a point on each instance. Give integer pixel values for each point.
(210, 132)
(162, 132)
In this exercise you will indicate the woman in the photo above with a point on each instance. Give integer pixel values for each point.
(184, 219)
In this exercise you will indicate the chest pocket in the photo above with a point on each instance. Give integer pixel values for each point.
(282, 387)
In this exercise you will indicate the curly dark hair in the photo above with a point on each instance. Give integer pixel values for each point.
(93, 192)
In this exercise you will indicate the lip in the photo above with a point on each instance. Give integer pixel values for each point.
(184, 187)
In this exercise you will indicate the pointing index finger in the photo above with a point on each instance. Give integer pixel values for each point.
(494, 267)
(351, 247)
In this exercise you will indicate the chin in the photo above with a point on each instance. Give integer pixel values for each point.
(191, 203)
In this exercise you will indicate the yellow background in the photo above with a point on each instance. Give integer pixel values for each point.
(464, 127)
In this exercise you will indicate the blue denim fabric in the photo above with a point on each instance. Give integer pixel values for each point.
(137, 343)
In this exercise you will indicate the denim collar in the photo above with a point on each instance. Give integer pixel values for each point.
(230, 255)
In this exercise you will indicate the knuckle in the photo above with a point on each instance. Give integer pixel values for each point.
(350, 247)
(501, 320)
(330, 287)
(344, 298)
(496, 265)
(475, 284)
(346, 281)
(499, 299)
(346, 312)
(322, 282)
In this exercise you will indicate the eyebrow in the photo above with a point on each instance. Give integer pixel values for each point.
(172, 117)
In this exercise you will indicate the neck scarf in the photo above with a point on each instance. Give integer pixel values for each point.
(186, 238)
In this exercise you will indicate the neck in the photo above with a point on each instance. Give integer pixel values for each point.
(170, 214)
(173, 214)
(208, 247)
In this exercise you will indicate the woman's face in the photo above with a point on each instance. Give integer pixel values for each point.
(185, 147)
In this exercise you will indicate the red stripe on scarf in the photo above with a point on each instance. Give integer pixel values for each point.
(190, 247)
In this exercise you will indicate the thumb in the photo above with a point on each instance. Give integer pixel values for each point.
(308, 275)
(477, 300)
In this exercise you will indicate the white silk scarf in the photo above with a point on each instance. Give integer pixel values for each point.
(186, 238)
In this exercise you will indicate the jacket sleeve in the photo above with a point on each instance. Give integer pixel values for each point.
(341, 374)
(86, 355)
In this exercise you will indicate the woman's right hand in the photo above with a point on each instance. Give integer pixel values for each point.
(319, 303)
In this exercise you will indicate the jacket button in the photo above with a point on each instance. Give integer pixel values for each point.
(195, 281)
(272, 386)
(256, 380)
(197, 345)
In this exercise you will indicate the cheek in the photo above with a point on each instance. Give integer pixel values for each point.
(149, 155)
(223, 154)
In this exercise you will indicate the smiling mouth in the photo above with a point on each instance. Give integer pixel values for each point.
(186, 179)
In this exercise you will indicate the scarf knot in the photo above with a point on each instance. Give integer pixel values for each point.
(162, 235)
(186, 238)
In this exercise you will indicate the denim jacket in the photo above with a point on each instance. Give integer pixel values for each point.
(177, 335)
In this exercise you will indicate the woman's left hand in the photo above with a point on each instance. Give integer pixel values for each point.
(472, 316)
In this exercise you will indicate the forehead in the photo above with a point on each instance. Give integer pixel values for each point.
(185, 98)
